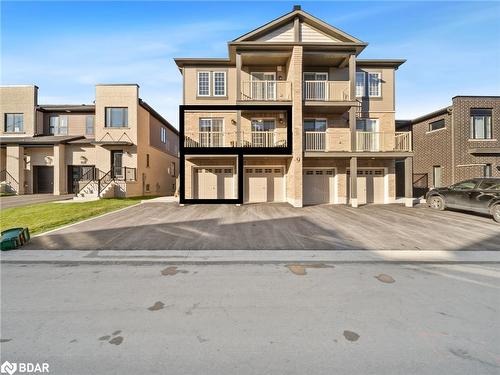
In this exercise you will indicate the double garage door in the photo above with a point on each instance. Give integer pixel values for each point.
(371, 185)
(264, 184)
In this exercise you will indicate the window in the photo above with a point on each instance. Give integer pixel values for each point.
(172, 169)
(367, 125)
(163, 135)
(116, 117)
(263, 125)
(211, 134)
(360, 84)
(58, 125)
(203, 83)
(89, 125)
(480, 123)
(14, 122)
(374, 83)
(465, 185)
(436, 125)
(315, 125)
(437, 174)
(219, 83)
(490, 185)
(147, 160)
(487, 170)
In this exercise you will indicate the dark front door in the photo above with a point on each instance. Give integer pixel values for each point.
(43, 179)
(78, 173)
(117, 163)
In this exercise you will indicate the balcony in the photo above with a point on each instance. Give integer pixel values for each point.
(260, 139)
(266, 91)
(326, 91)
(383, 141)
(338, 139)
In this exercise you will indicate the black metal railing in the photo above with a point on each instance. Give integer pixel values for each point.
(103, 179)
(11, 183)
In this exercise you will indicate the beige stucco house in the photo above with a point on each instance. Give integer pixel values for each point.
(292, 115)
(117, 146)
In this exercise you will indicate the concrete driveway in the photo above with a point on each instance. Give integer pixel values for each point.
(25, 200)
(277, 226)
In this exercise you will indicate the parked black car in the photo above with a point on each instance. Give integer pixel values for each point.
(478, 194)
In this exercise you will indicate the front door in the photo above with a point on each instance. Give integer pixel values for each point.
(43, 179)
(117, 164)
(315, 86)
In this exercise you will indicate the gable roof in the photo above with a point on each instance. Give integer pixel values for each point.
(286, 21)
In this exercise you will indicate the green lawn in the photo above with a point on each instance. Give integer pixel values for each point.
(46, 216)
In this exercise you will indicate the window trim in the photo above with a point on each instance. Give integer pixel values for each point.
(434, 168)
(364, 84)
(198, 83)
(87, 125)
(58, 126)
(379, 74)
(225, 83)
(107, 120)
(429, 130)
(14, 114)
(472, 126)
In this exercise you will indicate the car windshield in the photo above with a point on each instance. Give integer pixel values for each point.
(490, 185)
(465, 185)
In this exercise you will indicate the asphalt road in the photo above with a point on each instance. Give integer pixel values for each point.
(166, 226)
(253, 318)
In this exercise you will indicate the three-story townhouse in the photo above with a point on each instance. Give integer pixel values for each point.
(292, 115)
(117, 146)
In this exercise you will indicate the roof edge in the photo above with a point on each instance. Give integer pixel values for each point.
(156, 115)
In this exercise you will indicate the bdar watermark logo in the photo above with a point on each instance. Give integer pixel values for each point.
(24, 368)
(8, 368)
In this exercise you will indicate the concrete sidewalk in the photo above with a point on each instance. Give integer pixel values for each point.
(244, 256)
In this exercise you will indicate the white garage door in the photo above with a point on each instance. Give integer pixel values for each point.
(213, 183)
(371, 185)
(264, 184)
(318, 186)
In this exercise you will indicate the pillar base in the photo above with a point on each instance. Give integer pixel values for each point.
(409, 202)
(181, 204)
(354, 202)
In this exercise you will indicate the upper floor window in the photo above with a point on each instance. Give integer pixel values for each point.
(89, 125)
(315, 125)
(163, 135)
(374, 83)
(436, 125)
(58, 125)
(368, 81)
(116, 117)
(203, 83)
(480, 123)
(219, 83)
(367, 125)
(14, 122)
(360, 84)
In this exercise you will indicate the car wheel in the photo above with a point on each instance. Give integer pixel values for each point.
(495, 211)
(436, 203)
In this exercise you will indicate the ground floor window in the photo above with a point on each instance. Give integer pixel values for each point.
(487, 170)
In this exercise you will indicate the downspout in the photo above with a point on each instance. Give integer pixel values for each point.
(450, 111)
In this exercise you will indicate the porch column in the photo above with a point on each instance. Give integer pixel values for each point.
(60, 186)
(238, 76)
(15, 165)
(239, 142)
(408, 182)
(352, 93)
(354, 181)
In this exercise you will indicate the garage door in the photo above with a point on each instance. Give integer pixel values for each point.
(213, 183)
(371, 187)
(43, 179)
(264, 184)
(318, 186)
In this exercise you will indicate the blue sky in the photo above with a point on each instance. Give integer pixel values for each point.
(452, 48)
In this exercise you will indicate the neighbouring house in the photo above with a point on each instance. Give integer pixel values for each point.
(292, 115)
(117, 146)
(455, 143)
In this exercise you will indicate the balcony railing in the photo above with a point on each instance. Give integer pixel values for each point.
(266, 90)
(326, 90)
(271, 138)
(383, 141)
(315, 141)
